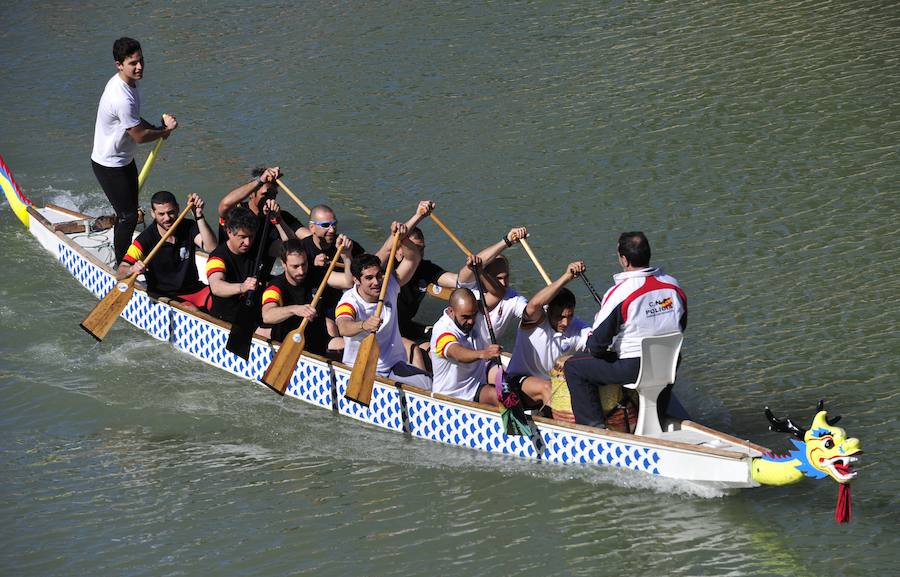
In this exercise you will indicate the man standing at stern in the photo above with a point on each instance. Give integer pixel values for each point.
(117, 132)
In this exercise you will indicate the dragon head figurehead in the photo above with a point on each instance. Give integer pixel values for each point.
(828, 451)
(821, 451)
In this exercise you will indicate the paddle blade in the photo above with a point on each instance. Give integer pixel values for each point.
(101, 319)
(363, 376)
(278, 375)
(242, 331)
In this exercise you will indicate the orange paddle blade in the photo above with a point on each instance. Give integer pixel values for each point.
(278, 375)
(363, 376)
(101, 319)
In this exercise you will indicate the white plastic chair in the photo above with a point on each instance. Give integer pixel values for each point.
(659, 356)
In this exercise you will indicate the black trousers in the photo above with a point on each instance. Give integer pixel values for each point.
(584, 374)
(120, 184)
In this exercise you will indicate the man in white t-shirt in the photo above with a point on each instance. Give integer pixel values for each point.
(460, 351)
(504, 304)
(355, 312)
(549, 329)
(117, 132)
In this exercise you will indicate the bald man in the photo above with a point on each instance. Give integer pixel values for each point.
(460, 351)
(319, 240)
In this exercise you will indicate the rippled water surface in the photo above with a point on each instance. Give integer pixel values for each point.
(755, 143)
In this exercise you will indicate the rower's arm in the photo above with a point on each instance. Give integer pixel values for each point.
(407, 267)
(447, 280)
(463, 354)
(350, 327)
(487, 255)
(534, 310)
(206, 240)
(237, 196)
(343, 280)
(222, 288)
(273, 313)
(123, 271)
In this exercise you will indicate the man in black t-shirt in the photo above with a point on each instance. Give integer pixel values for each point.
(286, 300)
(173, 271)
(229, 268)
(319, 241)
(258, 196)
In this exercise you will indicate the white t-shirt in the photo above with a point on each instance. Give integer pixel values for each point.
(353, 306)
(451, 377)
(507, 313)
(538, 348)
(119, 110)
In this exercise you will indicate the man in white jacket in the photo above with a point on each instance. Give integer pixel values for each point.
(644, 302)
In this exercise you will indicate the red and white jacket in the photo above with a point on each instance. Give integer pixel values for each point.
(642, 303)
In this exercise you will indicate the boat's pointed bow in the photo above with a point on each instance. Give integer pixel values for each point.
(18, 201)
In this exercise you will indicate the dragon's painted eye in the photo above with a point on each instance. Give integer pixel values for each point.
(828, 443)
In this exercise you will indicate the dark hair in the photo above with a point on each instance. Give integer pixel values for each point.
(362, 262)
(563, 300)
(417, 234)
(125, 47)
(163, 197)
(635, 247)
(291, 246)
(240, 218)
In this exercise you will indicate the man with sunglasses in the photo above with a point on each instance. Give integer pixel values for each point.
(319, 241)
(258, 196)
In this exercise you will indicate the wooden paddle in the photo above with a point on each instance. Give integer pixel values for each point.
(101, 319)
(293, 196)
(534, 259)
(145, 170)
(278, 375)
(363, 376)
(247, 317)
(450, 234)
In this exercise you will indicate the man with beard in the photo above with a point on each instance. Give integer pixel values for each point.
(319, 241)
(173, 272)
(287, 299)
(230, 267)
(460, 350)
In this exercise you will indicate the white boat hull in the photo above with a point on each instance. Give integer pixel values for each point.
(698, 454)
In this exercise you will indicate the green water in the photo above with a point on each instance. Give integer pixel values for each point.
(755, 143)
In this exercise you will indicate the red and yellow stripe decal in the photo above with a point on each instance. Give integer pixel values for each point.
(442, 342)
(214, 265)
(134, 254)
(272, 295)
(345, 309)
(18, 201)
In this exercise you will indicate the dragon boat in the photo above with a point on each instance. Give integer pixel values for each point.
(671, 447)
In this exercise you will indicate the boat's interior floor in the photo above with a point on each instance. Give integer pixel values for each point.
(99, 245)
